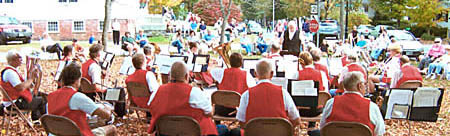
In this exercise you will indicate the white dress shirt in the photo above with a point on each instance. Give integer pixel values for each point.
(95, 72)
(217, 75)
(374, 114)
(289, 105)
(151, 82)
(392, 66)
(116, 26)
(197, 99)
(11, 77)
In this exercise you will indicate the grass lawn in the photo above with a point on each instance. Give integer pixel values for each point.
(36, 45)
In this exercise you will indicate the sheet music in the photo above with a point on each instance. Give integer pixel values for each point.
(201, 60)
(61, 66)
(303, 88)
(335, 66)
(426, 97)
(250, 64)
(112, 94)
(279, 81)
(109, 57)
(105, 64)
(291, 69)
(127, 66)
(197, 68)
(280, 65)
(400, 111)
(398, 97)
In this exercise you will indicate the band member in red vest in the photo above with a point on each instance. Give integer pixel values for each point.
(316, 54)
(74, 105)
(352, 66)
(178, 98)
(353, 107)
(309, 72)
(149, 57)
(266, 99)
(233, 79)
(19, 89)
(406, 73)
(199, 76)
(389, 67)
(144, 77)
(92, 71)
(68, 53)
(274, 52)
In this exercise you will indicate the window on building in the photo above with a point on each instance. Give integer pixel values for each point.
(100, 25)
(73, 0)
(67, 1)
(78, 26)
(62, 0)
(9, 1)
(53, 26)
(29, 24)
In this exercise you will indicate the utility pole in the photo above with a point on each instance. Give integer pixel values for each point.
(318, 20)
(341, 19)
(273, 15)
(346, 20)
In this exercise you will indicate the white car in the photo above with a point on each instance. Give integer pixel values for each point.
(411, 46)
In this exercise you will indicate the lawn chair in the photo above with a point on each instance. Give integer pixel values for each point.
(323, 98)
(228, 99)
(136, 90)
(269, 127)
(411, 84)
(59, 125)
(177, 126)
(345, 129)
(15, 110)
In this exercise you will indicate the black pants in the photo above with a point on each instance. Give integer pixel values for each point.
(310, 113)
(56, 48)
(116, 37)
(37, 106)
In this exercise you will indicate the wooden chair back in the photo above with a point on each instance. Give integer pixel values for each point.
(411, 84)
(177, 126)
(323, 98)
(269, 127)
(59, 125)
(226, 98)
(345, 129)
(87, 86)
(137, 89)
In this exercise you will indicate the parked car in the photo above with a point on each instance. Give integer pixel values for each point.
(411, 46)
(329, 28)
(254, 27)
(12, 30)
(375, 32)
(365, 29)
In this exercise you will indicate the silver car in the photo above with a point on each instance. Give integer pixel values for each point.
(411, 46)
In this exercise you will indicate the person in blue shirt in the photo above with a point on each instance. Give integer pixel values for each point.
(91, 39)
(141, 39)
(246, 43)
(194, 26)
(178, 41)
(209, 38)
(261, 43)
(202, 28)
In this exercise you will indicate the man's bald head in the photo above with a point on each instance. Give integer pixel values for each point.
(178, 72)
(264, 70)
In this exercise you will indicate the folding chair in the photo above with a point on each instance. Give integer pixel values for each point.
(340, 128)
(323, 98)
(411, 84)
(87, 86)
(227, 99)
(59, 125)
(177, 126)
(136, 90)
(269, 127)
(15, 110)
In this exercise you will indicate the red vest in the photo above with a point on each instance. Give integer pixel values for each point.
(351, 107)
(234, 79)
(206, 77)
(409, 73)
(58, 104)
(355, 67)
(311, 74)
(344, 61)
(262, 96)
(173, 99)
(139, 76)
(25, 94)
(85, 72)
(322, 68)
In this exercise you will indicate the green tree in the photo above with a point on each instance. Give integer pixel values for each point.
(423, 12)
(392, 9)
(297, 8)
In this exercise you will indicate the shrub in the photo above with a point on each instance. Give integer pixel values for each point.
(427, 37)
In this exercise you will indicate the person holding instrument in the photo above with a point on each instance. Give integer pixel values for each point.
(20, 89)
(92, 71)
(69, 103)
(388, 68)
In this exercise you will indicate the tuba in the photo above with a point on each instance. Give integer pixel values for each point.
(224, 51)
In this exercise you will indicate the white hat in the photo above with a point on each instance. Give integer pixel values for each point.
(438, 40)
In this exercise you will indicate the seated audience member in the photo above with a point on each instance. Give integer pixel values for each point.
(74, 105)
(193, 37)
(50, 46)
(309, 72)
(436, 51)
(261, 43)
(209, 38)
(178, 41)
(141, 39)
(129, 44)
(351, 67)
(178, 98)
(353, 107)
(274, 52)
(266, 99)
(232, 79)
(389, 67)
(406, 73)
(436, 67)
(246, 43)
(144, 77)
(20, 89)
(92, 71)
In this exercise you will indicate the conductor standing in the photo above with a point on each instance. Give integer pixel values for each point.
(291, 40)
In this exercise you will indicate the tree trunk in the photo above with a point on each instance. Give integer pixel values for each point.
(398, 22)
(342, 18)
(225, 15)
(106, 23)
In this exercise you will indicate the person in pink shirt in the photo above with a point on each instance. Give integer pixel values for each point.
(436, 51)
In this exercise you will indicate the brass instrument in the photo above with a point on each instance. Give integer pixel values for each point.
(32, 64)
(224, 51)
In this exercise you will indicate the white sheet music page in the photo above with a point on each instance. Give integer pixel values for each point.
(112, 94)
(398, 97)
(335, 66)
(127, 66)
(303, 88)
(426, 97)
(250, 64)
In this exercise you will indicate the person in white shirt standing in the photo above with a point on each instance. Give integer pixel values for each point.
(116, 31)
